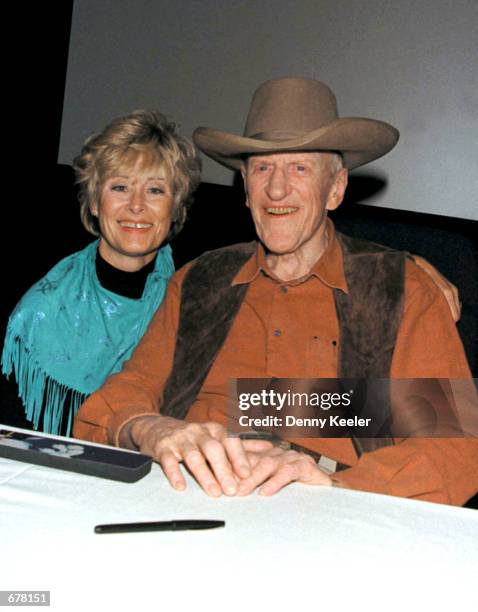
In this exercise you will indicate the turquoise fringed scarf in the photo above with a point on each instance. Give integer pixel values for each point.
(68, 334)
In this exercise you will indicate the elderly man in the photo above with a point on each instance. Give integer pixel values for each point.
(304, 302)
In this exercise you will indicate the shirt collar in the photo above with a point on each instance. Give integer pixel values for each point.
(329, 268)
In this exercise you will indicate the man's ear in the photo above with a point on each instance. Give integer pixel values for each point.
(244, 175)
(337, 191)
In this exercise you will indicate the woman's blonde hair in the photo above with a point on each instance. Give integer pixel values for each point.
(143, 135)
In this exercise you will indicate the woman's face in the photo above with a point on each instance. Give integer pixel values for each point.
(134, 216)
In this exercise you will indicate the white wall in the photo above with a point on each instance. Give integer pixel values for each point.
(412, 63)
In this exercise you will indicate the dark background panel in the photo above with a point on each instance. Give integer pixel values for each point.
(33, 85)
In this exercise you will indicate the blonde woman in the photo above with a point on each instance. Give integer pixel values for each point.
(80, 322)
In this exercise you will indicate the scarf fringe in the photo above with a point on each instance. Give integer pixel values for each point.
(36, 389)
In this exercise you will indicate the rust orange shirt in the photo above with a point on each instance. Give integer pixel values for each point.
(290, 330)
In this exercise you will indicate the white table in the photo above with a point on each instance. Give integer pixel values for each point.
(309, 547)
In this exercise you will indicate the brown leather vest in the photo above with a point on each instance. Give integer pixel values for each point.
(369, 316)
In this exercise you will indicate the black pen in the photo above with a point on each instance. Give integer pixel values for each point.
(159, 526)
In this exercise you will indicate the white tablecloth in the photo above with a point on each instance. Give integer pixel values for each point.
(305, 547)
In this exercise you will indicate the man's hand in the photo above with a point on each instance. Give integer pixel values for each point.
(448, 289)
(215, 460)
(276, 468)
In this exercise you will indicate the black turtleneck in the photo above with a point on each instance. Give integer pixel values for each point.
(127, 284)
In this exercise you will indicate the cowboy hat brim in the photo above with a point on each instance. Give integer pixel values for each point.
(359, 140)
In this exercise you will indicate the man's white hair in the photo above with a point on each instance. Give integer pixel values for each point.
(336, 163)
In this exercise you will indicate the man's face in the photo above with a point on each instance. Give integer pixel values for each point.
(289, 195)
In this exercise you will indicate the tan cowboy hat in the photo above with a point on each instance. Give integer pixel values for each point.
(298, 114)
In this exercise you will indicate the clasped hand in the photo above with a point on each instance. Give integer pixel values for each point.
(220, 464)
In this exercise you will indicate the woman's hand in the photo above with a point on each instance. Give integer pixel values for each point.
(448, 289)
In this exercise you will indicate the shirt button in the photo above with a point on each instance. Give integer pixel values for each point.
(277, 332)
(284, 289)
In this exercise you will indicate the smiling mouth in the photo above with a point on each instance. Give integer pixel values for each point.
(281, 210)
(131, 225)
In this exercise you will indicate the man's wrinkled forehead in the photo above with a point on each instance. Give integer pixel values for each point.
(321, 158)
